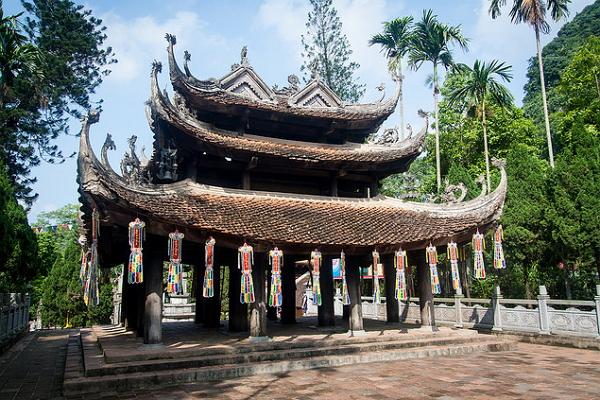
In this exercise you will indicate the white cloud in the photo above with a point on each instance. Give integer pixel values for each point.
(137, 42)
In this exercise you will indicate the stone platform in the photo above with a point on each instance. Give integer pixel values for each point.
(110, 359)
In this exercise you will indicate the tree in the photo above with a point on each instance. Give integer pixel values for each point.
(327, 51)
(63, 43)
(533, 13)
(480, 86)
(18, 247)
(395, 41)
(432, 41)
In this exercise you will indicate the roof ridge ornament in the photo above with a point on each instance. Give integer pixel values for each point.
(244, 57)
(171, 39)
(187, 58)
(109, 144)
(156, 67)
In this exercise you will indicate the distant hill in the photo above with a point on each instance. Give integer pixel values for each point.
(557, 54)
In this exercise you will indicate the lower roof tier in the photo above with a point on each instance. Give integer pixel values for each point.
(284, 219)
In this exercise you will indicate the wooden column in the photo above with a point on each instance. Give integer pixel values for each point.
(153, 281)
(424, 289)
(140, 300)
(326, 312)
(391, 304)
(212, 305)
(288, 290)
(198, 281)
(258, 309)
(355, 321)
(123, 297)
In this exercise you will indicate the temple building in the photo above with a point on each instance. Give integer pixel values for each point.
(289, 168)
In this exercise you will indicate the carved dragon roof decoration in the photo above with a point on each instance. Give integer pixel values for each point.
(285, 219)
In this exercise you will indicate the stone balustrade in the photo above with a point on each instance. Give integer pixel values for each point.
(14, 316)
(543, 315)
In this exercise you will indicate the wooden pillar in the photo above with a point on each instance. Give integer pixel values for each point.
(140, 300)
(212, 305)
(123, 316)
(238, 312)
(326, 314)
(198, 281)
(424, 289)
(153, 299)
(391, 304)
(355, 320)
(334, 186)
(258, 309)
(288, 291)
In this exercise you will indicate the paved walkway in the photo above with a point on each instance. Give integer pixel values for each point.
(33, 368)
(530, 372)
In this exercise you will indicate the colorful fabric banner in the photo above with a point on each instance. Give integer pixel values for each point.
(478, 243)
(432, 259)
(137, 233)
(376, 291)
(208, 289)
(174, 276)
(91, 268)
(276, 263)
(452, 250)
(345, 293)
(499, 261)
(315, 262)
(400, 263)
(245, 263)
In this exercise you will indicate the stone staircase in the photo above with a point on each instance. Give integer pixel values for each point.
(89, 372)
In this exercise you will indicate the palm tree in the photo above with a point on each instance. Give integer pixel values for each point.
(431, 42)
(480, 87)
(533, 13)
(395, 42)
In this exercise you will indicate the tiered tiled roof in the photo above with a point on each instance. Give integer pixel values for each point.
(242, 89)
(285, 219)
(351, 156)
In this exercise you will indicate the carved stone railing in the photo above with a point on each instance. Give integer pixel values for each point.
(543, 315)
(14, 316)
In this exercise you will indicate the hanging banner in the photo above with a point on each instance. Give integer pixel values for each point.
(174, 276)
(400, 263)
(276, 262)
(245, 264)
(209, 260)
(137, 234)
(499, 261)
(336, 266)
(432, 259)
(315, 262)
(345, 293)
(478, 243)
(452, 250)
(375, 266)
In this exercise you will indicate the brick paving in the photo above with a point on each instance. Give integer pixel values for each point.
(530, 372)
(33, 368)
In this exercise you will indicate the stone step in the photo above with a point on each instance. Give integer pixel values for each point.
(123, 382)
(317, 349)
(117, 356)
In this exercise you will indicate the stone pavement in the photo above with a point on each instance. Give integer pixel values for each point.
(33, 368)
(530, 372)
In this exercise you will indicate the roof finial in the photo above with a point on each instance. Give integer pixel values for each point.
(171, 39)
(244, 56)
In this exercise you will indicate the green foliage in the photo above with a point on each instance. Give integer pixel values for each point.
(556, 55)
(53, 62)
(61, 291)
(396, 40)
(327, 51)
(18, 247)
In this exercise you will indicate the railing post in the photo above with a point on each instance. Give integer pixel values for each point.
(458, 296)
(597, 301)
(496, 297)
(543, 310)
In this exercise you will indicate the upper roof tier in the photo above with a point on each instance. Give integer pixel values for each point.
(384, 159)
(312, 112)
(280, 219)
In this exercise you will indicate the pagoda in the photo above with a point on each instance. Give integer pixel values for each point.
(292, 168)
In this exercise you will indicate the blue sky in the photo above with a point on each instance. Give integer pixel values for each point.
(215, 31)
